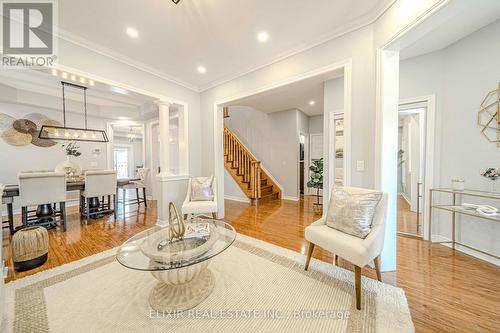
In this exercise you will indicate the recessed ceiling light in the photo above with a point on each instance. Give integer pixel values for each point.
(132, 32)
(64, 75)
(312, 102)
(82, 80)
(73, 77)
(54, 72)
(262, 36)
(91, 82)
(201, 69)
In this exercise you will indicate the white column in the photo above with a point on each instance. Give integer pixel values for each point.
(164, 131)
(164, 128)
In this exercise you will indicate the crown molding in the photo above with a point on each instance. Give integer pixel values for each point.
(97, 48)
(359, 23)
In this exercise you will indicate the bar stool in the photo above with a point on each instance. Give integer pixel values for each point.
(42, 189)
(98, 185)
(142, 174)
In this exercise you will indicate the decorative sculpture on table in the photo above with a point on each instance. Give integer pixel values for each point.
(176, 225)
(488, 117)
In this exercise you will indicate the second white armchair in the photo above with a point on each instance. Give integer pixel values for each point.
(201, 205)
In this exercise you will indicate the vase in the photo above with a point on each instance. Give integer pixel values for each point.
(493, 185)
(68, 167)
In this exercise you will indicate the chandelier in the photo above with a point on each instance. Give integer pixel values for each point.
(131, 135)
(73, 133)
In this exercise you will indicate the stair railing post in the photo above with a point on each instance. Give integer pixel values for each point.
(252, 179)
(259, 194)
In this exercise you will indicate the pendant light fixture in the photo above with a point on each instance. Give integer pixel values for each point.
(131, 135)
(73, 133)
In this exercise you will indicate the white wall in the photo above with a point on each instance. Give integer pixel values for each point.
(460, 76)
(273, 139)
(31, 157)
(334, 95)
(316, 124)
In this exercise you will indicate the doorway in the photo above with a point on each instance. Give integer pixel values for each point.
(412, 120)
(303, 163)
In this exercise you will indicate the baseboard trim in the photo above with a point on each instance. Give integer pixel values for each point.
(290, 198)
(463, 249)
(403, 195)
(239, 199)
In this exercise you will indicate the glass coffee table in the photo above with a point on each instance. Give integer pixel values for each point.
(180, 266)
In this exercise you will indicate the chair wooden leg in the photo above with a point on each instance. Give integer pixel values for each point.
(144, 196)
(24, 216)
(214, 215)
(10, 213)
(115, 205)
(377, 268)
(357, 277)
(62, 206)
(336, 260)
(309, 254)
(87, 210)
(137, 197)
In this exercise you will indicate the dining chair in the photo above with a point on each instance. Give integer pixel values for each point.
(199, 206)
(42, 188)
(359, 251)
(140, 184)
(99, 185)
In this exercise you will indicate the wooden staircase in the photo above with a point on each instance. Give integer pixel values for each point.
(247, 172)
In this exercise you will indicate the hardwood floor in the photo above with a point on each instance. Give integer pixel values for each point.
(407, 220)
(80, 240)
(447, 291)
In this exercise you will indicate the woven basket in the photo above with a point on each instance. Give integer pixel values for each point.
(30, 247)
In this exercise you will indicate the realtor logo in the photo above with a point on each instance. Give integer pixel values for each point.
(28, 33)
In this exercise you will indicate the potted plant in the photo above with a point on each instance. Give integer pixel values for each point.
(492, 174)
(316, 181)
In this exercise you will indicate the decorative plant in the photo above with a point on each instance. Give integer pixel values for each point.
(72, 149)
(491, 173)
(316, 177)
(401, 154)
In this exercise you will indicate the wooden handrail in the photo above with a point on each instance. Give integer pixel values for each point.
(245, 163)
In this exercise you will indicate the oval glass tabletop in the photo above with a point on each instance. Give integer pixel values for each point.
(150, 250)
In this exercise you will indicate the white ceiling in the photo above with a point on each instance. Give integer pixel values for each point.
(292, 96)
(102, 100)
(218, 34)
(463, 21)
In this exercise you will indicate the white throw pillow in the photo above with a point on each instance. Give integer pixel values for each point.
(351, 210)
(201, 189)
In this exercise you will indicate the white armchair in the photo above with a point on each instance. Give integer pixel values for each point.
(190, 207)
(358, 251)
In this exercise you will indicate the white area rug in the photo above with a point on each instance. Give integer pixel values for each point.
(259, 288)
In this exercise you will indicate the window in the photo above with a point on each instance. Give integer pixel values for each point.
(121, 162)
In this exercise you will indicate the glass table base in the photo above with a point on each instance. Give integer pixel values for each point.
(181, 297)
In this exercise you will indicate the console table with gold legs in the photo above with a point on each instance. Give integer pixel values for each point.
(455, 209)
